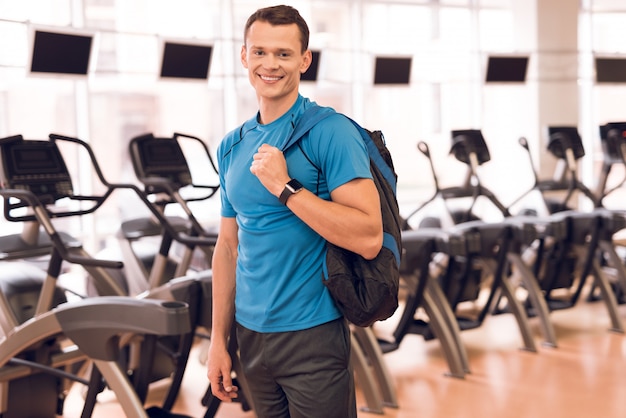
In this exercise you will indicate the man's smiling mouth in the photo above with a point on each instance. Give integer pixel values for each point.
(269, 78)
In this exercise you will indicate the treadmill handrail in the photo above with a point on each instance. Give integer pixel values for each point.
(201, 237)
(42, 216)
(146, 180)
(93, 323)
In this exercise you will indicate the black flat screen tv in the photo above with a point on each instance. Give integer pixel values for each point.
(506, 69)
(311, 73)
(182, 60)
(392, 70)
(611, 70)
(61, 52)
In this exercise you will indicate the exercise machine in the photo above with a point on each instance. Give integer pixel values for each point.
(563, 261)
(43, 351)
(478, 277)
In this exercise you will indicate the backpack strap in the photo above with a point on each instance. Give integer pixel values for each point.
(308, 120)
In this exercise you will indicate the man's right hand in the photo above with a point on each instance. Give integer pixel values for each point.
(219, 374)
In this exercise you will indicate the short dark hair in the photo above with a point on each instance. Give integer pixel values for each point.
(280, 15)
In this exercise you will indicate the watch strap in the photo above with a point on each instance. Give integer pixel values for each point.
(293, 186)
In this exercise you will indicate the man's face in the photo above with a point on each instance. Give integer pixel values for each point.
(274, 59)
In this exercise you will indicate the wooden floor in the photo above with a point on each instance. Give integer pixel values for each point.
(585, 376)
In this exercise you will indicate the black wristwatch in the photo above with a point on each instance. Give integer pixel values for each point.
(293, 186)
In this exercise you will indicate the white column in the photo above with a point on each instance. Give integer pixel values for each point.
(549, 29)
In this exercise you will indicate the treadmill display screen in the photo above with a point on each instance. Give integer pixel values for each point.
(467, 141)
(35, 161)
(613, 140)
(617, 128)
(162, 152)
(160, 157)
(37, 166)
(563, 137)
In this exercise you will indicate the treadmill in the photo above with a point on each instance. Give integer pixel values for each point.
(43, 353)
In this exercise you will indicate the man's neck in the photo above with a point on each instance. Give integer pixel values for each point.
(270, 110)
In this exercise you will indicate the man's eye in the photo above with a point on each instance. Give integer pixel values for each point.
(258, 52)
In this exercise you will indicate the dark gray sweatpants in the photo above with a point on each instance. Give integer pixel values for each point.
(299, 374)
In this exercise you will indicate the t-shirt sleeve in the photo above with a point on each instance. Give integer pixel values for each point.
(223, 159)
(342, 153)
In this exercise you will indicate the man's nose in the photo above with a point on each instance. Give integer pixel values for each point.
(270, 61)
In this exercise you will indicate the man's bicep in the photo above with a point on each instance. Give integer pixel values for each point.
(359, 194)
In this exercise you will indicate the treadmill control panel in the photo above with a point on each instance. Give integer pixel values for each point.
(160, 158)
(33, 165)
(467, 141)
(613, 137)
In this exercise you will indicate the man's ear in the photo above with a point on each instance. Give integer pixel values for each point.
(307, 58)
(244, 60)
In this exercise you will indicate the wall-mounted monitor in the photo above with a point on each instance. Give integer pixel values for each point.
(60, 51)
(508, 69)
(185, 60)
(311, 73)
(611, 70)
(392, 70)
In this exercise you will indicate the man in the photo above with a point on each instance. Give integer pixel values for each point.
(278, 211)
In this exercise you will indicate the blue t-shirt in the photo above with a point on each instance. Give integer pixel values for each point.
(279, 283)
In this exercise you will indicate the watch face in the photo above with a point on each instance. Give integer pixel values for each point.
(294, 185)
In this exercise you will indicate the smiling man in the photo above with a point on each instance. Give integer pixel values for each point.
(278, 211)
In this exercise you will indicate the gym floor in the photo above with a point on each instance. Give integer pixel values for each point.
(582, 377)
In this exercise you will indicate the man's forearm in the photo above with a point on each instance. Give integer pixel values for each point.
(223, 288)
(352, 222)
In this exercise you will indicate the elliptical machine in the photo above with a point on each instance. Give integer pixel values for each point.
(564, 259)
(474, 281)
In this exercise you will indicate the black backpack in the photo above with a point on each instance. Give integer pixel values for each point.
(365, 291)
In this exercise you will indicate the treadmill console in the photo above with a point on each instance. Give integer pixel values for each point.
(34, 165)
(613, 137)
(159, 158)
(560, 138)
(466, 141)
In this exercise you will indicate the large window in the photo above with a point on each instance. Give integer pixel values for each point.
(448, 42)
(603, 22)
